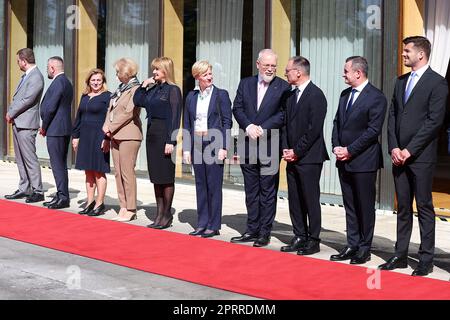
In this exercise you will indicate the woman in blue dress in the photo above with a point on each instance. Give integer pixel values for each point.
(163, 103)
(90, 143)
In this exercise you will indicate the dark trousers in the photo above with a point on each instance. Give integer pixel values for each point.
(58, 147)
(358, 192)
(304, 199)
(260, 197)
(208, 187)
(415, 180)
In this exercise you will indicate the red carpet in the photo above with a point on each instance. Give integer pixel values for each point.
(251, 271)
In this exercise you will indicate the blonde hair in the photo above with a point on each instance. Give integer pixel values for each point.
(200, 67)
(166, 65)
(92, 72)
(126, 67)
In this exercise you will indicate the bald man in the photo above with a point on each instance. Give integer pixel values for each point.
(57, 127)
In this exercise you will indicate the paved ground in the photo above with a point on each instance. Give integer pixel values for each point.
(31, 272)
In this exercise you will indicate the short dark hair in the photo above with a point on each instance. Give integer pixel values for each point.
(419, 42)
(57, 58)
(301, 62)
(26, 54)
(359, 63)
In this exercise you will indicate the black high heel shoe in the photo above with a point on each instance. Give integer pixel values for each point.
(165, 226)
(97, 211)
(88, 208)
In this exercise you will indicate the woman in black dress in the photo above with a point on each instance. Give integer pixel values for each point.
(163, 103)
(90, 143)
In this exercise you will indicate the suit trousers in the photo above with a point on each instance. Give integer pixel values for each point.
(27, 160)
(359, 192)
(208, 187)
(415, 179)
(304, 199)
(124, 154)
(260, 197)
(58, 147)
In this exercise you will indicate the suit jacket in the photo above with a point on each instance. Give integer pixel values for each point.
(303, 130)
(123, 119)
(360, 128)
(56, 107)
(24, 108)
(217, 119)
(269, 115)
(416, 124)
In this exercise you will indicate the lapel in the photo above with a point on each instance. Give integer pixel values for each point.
(357, 102)
(296, 106)
(193, 107)
(21, 83)
(254, 93)
(212, 101)
(343, 105)
(272, 87)
(422, 80)
(119, 100)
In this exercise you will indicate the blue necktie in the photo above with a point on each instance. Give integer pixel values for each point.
(350, 101)
(409, 88)
(21, 81)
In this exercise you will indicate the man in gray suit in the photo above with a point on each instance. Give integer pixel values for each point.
(23, 114)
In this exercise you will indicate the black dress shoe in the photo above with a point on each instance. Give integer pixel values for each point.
(295, 244)
(197, 232)
(345, 254)
(262, 241)
(97, 211)
(35, 197)
(47, 203)
(210, 233)
(16, 195)
(361, 257)
(88, 208)
(311, 247)
(246, 237)
(60, 204)
(394, 263)
(422, 270)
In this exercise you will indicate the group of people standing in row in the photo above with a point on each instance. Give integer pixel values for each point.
(277, 118)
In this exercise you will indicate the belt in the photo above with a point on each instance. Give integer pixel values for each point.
(201, 133)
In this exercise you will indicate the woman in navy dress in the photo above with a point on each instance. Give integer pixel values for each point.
(90, 143)
(163, 103)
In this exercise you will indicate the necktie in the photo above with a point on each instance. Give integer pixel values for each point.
(21, 81)
(350, 101)
(410, 87)
(297, 93)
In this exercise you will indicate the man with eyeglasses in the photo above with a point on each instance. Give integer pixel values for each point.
(304, 150)
(257, 109)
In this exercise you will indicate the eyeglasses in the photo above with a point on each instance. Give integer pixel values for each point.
(267, 66)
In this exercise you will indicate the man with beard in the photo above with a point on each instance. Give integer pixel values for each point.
(257, 110)
(23, 114)
(415, 117)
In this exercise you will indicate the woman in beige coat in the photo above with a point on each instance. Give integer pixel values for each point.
(123, 126)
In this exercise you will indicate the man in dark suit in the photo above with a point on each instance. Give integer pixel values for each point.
(356, 127)
(23, 114)
(415, 117)
(257, 110)
(304, 151)
(57, 127)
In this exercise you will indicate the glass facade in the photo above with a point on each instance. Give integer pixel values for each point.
(227, 33)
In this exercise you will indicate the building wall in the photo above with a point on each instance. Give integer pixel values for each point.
(326, 32)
